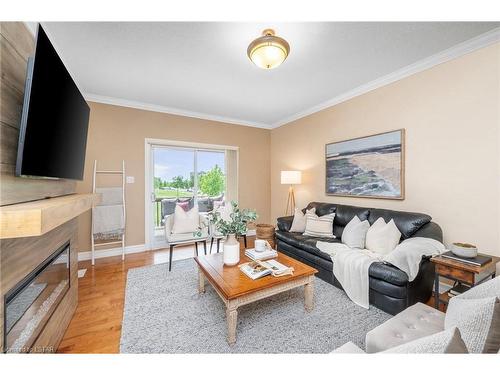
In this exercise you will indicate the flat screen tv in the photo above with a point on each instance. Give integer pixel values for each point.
(54, 121)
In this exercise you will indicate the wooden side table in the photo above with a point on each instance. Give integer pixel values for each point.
(464, 273)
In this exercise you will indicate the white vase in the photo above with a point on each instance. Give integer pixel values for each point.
(231, 252)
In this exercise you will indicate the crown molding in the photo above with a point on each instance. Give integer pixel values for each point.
(471, 45)
(173, 111)
(454, 52)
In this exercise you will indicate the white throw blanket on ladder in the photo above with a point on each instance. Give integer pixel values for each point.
(350, 267)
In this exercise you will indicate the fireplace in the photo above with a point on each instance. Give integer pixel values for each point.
(29, 304)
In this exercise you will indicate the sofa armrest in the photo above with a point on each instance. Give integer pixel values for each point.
(430, 230)
(285, 223)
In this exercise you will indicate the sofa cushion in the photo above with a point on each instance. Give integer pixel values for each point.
(378, 270)
(387, 272)
(344, 214)
(407, 222)
(305, 242)
(321, 208)
(285, 223)
(445, 342)
(388, 289)
(411, 324)
(313, 260)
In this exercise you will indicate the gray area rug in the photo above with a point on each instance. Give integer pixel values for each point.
(18, 306)
(164, 313)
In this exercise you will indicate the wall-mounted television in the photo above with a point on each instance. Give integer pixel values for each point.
(54, 121)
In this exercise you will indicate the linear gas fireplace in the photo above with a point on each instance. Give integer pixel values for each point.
(29, 305)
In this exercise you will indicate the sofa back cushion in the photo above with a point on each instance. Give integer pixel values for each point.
(322, 209)
(407, 222)
(344, 215)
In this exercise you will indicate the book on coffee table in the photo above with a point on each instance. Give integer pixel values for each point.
(257, 269)
(254, 270)
(479, 260)
(261, 255)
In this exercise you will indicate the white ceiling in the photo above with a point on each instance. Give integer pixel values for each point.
(201, 69)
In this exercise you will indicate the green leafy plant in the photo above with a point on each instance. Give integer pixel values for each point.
(238, 223)
(212, 182)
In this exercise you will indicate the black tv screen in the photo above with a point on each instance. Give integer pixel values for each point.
(54, 122)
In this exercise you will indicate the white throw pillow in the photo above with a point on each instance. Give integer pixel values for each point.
(319, 226)
(300, 219)
(382, 238)
(185, 222)
(354, 233)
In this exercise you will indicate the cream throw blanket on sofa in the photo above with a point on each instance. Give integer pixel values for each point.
(350, 267)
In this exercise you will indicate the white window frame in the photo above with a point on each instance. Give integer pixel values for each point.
(149, 143)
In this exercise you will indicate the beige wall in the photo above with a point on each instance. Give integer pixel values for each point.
(451, 116)
(117, 133)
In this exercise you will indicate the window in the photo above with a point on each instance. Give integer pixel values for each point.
(190, 176)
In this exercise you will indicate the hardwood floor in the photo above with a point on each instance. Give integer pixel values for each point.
(97, 322)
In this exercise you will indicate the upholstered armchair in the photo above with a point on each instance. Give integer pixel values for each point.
(174, 239)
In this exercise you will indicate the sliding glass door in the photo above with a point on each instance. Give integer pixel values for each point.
(184, 176)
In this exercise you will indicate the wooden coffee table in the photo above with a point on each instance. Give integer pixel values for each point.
(236, 289)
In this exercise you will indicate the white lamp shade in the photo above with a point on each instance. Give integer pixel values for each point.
(291, 177)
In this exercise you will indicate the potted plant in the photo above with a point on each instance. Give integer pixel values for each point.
(231, 225)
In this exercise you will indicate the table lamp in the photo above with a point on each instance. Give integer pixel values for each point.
(290, 178)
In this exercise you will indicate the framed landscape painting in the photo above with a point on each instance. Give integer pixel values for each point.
(370, 167)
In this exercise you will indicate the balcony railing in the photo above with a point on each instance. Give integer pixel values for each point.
(157, 211)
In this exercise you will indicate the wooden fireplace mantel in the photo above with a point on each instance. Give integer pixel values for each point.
(39, 217)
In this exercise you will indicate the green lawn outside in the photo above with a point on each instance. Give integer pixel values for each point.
(172, 193)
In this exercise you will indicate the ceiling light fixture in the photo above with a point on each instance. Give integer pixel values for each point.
(269, 50)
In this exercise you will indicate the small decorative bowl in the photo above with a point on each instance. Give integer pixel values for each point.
(464, 250)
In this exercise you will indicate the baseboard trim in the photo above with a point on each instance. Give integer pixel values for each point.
(115, 251)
